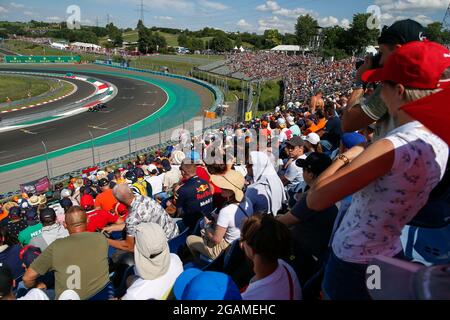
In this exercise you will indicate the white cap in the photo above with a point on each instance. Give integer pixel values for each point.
(69, 295)
(313, 138)
(290, 120)
(65, 193)
(281, 121)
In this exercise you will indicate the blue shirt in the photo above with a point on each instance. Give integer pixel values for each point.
(195, 198)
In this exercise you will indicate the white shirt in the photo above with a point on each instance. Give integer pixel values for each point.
(375, 219)
(35, 294)
(294, 173)
(157, 289)
(283, 136)
(231, 218)
(275, 286)
(156, 182)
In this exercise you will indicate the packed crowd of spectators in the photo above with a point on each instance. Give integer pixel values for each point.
(302, 74)
(293, 205)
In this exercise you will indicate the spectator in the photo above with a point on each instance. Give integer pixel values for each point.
(317, 101)
(66, 204)
(265, 243)
(312, 143)
(50, 231)
(194, 198)
(295, 129)
(33, 230)
(292, 175)
(105, 200)
(311, 230)
(333, 131)
(363, 114)
(141, 210)
(390, 180)
(64, 254)
(9, 253)
(284, 133)
(98, 219)
(226, 230)
(118, 179)
(266, 192)
(194, 284)
(138, 185)
(172, 176)
(8, 282)
(155, 179)
(16, 222)
(156, 268)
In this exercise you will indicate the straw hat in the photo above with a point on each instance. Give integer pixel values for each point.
(232, 180)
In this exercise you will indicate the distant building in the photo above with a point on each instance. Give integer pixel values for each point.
(85, 46)
(289, 49)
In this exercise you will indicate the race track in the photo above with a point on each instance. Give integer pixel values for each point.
(137, 99)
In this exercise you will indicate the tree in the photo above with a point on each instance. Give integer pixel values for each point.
(140, 25)
(305, 29)
(272, 38)
(359, 36)
(221, 43)
(434, 32)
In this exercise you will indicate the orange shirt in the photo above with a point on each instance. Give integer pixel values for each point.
(106, 201)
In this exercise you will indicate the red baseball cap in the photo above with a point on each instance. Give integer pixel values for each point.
(86, 201)
(417, 64)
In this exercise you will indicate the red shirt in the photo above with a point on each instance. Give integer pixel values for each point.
(98, 219)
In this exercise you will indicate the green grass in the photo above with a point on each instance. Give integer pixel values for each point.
(66, 89)
(31, 49)
(18, 87)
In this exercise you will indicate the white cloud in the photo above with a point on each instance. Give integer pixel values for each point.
(54, 18)
(17, 5)
(3, 10)
(411, 5)
(294, 13)
(283, 25)
(268, 6)
(388, 19)
(243, 24)
(345, 23)
(212, 5)
(29, 13)
(164, 18)
(328, 21)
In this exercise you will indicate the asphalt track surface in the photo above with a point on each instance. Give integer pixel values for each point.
(135, 101)
(85, 89)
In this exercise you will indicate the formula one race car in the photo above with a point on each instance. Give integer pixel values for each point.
(97, 107)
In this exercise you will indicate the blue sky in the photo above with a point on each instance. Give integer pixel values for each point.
(230, 15)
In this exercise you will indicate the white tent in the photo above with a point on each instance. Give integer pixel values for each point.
(241, 49)
(289, 49)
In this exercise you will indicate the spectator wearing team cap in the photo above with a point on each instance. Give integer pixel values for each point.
(391, 179)
(363, 112)
(105, 200)
(9, 252)
(66, 204)
(311, 230)
(51, 230)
